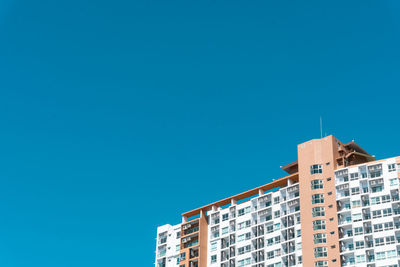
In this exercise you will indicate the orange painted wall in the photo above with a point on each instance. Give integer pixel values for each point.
(323, 152)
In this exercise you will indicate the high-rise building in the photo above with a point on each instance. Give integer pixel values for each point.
(337, 206)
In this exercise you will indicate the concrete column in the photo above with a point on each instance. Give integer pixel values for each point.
(260, 192)
(202, 213)
(233, 201)
(184, 219)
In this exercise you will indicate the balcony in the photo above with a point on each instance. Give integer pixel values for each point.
(193, 253)
(345, 221)
(191, 230)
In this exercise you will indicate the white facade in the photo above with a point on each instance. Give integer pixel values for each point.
(369, 214)
(168, 245)
(264, 231)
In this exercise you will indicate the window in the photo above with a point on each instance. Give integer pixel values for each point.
(355, 191)
(320, 252)
(392, 167)
(318, 211)
(225, 217)
(319, 225)
(317, 198)
(244, 211)
(388, 226)
(243, 225)
(243, 237)
(378, 227)
(244, 249)
(379, 241)
(276, 200)
(298, 246)
(377, 189)
(213, 258)
(317, 184)
(375, 200)
(321, 264)
(389, 240)
(394, 181)
(177, 248)
(360, 258)
(213, 246)
(225, 230)
(244, 262)
(386, 199)
(353, 176)
(376, 214)
(357, 217)
(215, 233)
(356, 203)
(319, 238)
(277, 214)
(387, 212)
(380, 256)
(358, 231)
(183, 256)
(391, 254)
(359, 244)
(316, 169)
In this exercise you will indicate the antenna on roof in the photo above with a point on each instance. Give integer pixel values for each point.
(320, 124)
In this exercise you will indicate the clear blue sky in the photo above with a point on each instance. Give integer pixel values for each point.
(109, 109)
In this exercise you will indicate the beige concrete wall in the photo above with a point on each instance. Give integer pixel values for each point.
(323, 152)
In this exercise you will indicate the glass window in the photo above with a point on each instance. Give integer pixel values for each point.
(376, 214)
(320, 252)
(321, 264)
(392, 167)
(213, 258)
(380, 256)
(355, 191)
(394, 181)
(225, 230)
(318, 211)
(319, 225)
(317, 184)
(358, 231)
(316, 168)
(353, 176)
(319, 238)
(317, 198)
(378, 227)
(357, 217)
(356, 203)
(386, 199)
(359, 244)
(360, 258)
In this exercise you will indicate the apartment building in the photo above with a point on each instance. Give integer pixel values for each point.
(337, 206)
